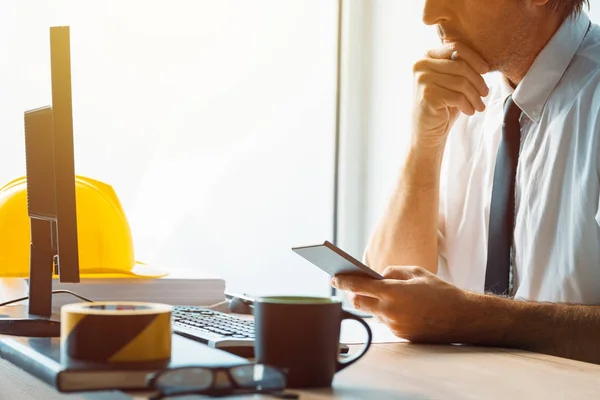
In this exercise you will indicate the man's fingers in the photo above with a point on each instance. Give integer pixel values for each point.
(403, 273)
(461, 52)
(436, 94)
(458, 68)
(350, 296)
(358, 285)
(398, 272)
(453, 83)
(367, 304)
(463, 86)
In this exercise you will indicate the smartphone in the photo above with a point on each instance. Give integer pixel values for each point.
(334, 260)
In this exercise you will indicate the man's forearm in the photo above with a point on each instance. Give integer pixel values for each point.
(564, 330)
(407, 233)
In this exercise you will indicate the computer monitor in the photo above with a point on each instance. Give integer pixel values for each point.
(51, 200)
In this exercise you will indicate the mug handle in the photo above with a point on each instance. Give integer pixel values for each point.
(347, 315)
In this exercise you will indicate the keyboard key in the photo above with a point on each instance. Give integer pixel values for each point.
(207, 323)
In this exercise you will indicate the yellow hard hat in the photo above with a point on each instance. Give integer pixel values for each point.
(104, 236)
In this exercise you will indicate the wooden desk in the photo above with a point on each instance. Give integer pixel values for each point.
(407, 371)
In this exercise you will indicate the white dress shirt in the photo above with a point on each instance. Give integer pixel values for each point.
(556, 245)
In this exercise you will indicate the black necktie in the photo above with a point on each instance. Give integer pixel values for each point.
(502, 209)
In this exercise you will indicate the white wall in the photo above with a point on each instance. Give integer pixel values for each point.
(213, 121)
(354, 118)
(397, 38)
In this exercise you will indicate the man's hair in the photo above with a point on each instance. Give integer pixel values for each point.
(568, 7)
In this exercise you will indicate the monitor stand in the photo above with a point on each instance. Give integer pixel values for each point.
(16, 321)
(35, 319)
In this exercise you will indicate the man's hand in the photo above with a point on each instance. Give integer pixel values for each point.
(418, 306)
(448, 80)
(445, 85)
(414, 303)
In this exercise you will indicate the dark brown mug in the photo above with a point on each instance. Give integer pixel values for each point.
(301, 336)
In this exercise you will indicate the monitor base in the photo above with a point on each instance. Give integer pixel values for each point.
(29, 327)
(15, 321)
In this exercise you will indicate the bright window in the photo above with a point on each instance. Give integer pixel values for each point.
(214, 122)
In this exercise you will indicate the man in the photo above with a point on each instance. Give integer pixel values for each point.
(521, 158)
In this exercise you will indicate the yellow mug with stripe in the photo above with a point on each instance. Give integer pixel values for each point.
(116, 332)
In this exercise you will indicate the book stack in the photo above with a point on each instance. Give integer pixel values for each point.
(179, 287)
(42, 358)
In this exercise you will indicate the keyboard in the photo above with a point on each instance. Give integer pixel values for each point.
(215, 329)
(218, 330)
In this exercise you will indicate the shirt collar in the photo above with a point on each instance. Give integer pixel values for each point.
(549, 66)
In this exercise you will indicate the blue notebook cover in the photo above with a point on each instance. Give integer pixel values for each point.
(41, 357)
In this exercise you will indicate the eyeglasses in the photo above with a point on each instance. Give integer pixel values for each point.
(219, 381)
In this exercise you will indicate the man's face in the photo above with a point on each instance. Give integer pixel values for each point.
(495, 29)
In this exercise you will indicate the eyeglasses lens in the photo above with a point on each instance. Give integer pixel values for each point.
(185, 380)
(258, 376)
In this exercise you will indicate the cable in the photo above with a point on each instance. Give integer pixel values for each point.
(215, 305)
(53, 292)
(61, 291)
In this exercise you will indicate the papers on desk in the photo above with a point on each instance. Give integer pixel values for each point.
(180, 287)
(354, 333)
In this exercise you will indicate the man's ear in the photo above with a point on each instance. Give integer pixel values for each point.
(538, 3)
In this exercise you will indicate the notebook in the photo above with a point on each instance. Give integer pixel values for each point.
(41, 357)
